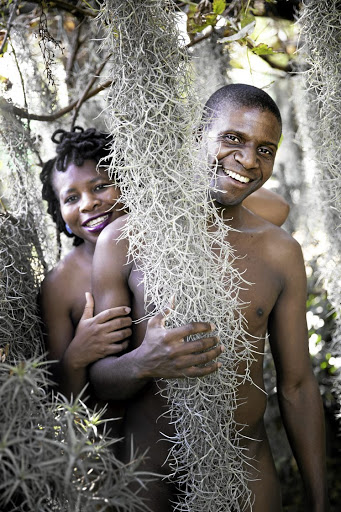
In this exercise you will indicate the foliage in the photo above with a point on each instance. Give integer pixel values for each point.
(321, 22)
(321, 323)
(54, 92)
(51, 455)
(153, 115)
(50, 449)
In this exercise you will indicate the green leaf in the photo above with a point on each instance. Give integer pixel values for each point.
(4, 50)
(194, 25)
(219, 6)
(246, 19)
(263, 49)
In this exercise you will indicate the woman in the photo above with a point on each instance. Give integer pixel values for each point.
(82, 201)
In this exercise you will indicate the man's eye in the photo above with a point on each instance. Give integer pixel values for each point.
(231, 138)
(265, 151)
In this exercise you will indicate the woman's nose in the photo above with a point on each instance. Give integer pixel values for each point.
(88, 202)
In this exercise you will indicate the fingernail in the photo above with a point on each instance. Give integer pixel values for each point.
(127, 310)
(213, 327)
(222, 348)
(220, 365)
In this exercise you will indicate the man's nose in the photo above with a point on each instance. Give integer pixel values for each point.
(247, 157)
(88, 202)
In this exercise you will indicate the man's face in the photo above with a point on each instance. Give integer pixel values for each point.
(242, 145)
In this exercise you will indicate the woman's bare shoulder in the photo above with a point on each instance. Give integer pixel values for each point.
(60, 276)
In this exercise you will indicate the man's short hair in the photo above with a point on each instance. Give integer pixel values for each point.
(240, 95)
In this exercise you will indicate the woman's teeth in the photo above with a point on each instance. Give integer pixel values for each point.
(236, 176)
(97, 221)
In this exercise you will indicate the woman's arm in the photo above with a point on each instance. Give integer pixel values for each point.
(74, 349)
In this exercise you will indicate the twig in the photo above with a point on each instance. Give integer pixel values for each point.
(13, 8)
(73, 9)
(199, 39)
(76, 43)
(22, 82)
(5, 105)
(83, 98)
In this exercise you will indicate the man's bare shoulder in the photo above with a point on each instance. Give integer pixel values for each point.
(114, 230)
(112, 248)
(274, 241)
(281, 251)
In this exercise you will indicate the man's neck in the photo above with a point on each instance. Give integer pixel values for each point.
(232, 215)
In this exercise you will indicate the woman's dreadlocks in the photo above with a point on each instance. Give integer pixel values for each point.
(75, 147)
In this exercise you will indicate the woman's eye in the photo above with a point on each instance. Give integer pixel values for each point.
(70, 199)
(101, 186)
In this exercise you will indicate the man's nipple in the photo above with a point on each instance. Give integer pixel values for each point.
(260, 312)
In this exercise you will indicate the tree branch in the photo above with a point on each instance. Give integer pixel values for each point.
(13, 8)
(74, 50)
(73, 9)
(9, 107)
(83, 98)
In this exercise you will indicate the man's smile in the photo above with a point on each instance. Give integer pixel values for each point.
(235, 175)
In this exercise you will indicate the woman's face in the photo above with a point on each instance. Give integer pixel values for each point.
(88, 199)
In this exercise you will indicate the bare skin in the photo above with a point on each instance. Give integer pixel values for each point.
(243, 141)
(75, 337)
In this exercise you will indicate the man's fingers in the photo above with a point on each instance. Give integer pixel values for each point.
(112, 313)
(196, 371)
(89, 306)
(198, 359)
(178, 333)
(159, 319)
(191, 347)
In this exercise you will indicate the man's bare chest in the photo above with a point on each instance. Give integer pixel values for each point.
(259, 292)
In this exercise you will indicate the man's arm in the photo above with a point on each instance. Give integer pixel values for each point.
(268, 205)
(162, 353)
(298, 393)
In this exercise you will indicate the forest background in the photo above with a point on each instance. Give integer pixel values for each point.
(54, 74)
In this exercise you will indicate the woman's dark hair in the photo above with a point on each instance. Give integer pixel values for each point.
(74, 147)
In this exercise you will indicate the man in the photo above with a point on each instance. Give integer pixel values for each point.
(243, 131)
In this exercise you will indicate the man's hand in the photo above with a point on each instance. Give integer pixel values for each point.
(99, 336)
(164, 353)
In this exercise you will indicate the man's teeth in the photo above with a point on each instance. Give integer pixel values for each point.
(236, 176)
(95, 222)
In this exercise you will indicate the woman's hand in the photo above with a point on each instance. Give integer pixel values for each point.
(98, 336)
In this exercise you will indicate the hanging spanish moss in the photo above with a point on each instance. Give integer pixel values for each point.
(51, 457)
(153, 114)
(321, 29)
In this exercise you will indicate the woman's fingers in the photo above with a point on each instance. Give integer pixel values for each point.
(116, 348)
(116, 336)
(112, 313)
